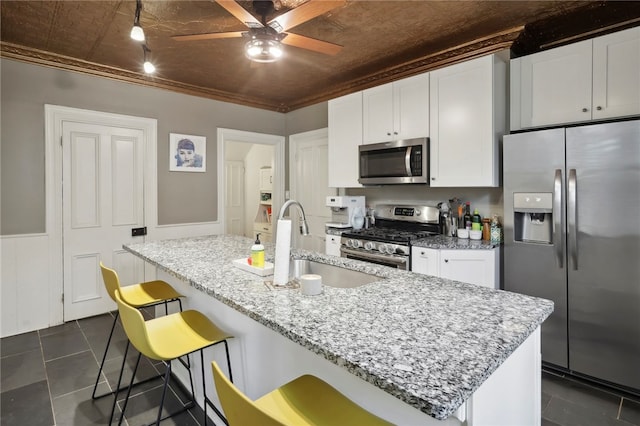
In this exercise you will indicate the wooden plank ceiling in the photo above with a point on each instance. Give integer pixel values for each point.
(381, 41)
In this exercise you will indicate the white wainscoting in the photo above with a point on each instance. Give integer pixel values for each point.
(26, 284)
(31, 283)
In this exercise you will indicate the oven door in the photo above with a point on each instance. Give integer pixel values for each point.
(399, 262)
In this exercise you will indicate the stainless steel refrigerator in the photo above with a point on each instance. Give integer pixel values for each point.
(572, 235)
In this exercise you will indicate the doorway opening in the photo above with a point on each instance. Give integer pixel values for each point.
(251, 177)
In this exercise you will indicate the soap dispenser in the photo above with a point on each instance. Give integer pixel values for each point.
(257, 253)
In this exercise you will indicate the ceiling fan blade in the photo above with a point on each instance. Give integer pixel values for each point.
(311, 44)
(239, 12)
(208, 36)
(306, 12)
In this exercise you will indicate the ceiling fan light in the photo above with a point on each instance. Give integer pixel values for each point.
(137, 33)
(262, 49)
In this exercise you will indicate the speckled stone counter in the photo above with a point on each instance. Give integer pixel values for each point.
(429, 342)
(453, 243)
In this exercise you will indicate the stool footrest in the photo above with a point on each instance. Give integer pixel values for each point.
(123, 388)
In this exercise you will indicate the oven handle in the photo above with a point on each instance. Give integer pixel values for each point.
(370, 255)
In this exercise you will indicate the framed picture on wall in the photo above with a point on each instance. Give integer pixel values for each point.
(187, 153)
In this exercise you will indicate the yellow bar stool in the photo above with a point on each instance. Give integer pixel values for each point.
(140, 295)
(306, 400)
(169, 338)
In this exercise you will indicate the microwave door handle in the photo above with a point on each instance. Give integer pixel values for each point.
(407, 161)
(557, 217)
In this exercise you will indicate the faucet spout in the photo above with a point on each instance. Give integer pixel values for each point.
(304, 227)
(283, 242)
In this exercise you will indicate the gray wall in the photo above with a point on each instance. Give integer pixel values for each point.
(27, 88)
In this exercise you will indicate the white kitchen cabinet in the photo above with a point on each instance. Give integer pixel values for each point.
(265, 231)
(345, 135)
(616, 74)
(332, 245)
(468, 119)
(397, 110)
(589, 80)
(266, 179)
(480, 267)
(425, 261)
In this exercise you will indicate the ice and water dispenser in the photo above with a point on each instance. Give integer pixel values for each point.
(533, 217)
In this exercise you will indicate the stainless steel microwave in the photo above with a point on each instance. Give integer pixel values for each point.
(404, 161)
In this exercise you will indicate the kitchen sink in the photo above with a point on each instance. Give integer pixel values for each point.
(332, 276)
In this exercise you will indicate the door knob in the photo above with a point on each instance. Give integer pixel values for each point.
(584, 110)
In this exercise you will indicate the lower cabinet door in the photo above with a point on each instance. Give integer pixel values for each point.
(478, 267)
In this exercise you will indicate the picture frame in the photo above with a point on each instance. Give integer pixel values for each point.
(187, 153)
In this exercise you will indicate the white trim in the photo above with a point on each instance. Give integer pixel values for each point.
(230, 135)
(9, 237)
(54, 117)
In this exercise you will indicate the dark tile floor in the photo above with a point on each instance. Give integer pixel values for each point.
(47, 377)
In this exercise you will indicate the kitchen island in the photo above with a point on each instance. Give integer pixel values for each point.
(408, 347)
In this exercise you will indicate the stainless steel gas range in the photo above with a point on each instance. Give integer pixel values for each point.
(388, 242)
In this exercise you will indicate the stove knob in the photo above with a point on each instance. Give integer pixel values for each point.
(349, 243)
(357, 243)
(381, 248)
(369, 246)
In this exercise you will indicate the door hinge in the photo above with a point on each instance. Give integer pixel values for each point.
(60, 140)
(62, 297)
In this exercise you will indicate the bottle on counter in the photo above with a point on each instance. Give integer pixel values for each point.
(467, 216)
(460, 216)
(486, 229)
(496, 230)
(476, 221)
(257, 253)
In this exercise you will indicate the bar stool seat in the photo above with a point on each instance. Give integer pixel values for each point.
(141, 295)
(306, 400)
(169, 338)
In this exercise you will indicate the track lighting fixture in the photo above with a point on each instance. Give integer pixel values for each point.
(149, 68)
(137, 33)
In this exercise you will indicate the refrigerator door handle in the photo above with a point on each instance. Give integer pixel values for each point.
(572, 216)
(557, 217)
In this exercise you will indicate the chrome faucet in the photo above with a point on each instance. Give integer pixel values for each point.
(283, 248)
(304, 227)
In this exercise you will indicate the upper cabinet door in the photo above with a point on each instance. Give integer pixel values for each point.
(411, 107)
(616, 74)
(467, 120)
(396, 111)
(555, 85)
(377, 110)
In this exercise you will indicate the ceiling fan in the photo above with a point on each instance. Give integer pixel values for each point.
(265, 39)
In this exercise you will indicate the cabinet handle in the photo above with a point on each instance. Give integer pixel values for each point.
(446, 261)
(599, 108)
(422, 253)
(395, 133)
(388, 134)
(585, 110)
(433, 178)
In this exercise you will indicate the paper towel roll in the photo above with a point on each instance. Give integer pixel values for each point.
(283, 249)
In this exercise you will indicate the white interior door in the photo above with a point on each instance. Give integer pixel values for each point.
(310, 186)
(234, 197)
(102, 201)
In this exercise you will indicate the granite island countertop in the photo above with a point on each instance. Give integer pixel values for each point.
(428, 341)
